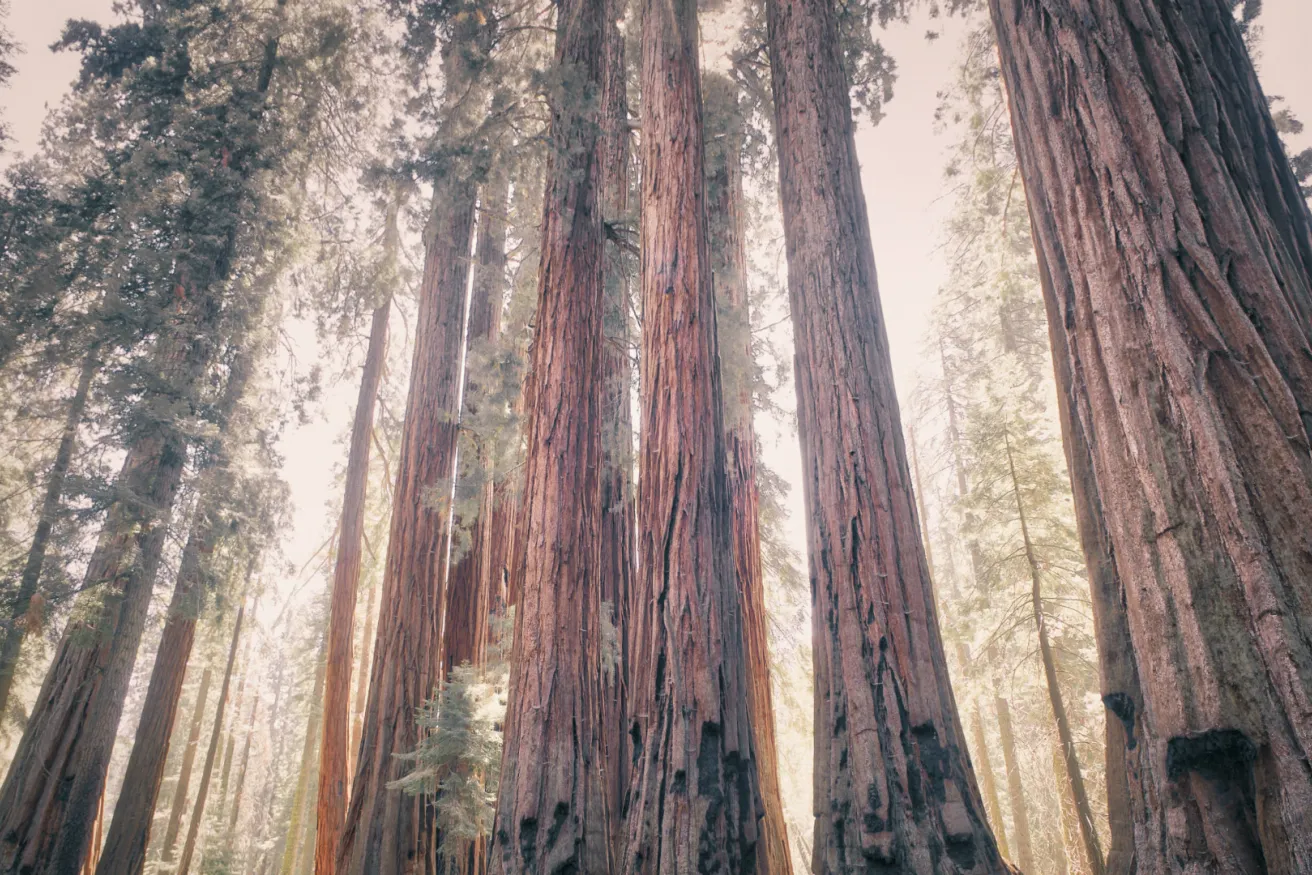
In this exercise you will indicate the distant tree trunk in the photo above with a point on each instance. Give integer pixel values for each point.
(1020, 815)
(729, 257)
(617, 508)
(12, 645)
(1088, 831)
(331, 808)
(1189, 338)
(299, 808)
(1119, 674)
(362, 678)
(695, 769)
(988, 783)
(207, 771)
(893, 781)
(184, 776)
(387, 831)
(241, 770)
(552, 813)
(1072, 845)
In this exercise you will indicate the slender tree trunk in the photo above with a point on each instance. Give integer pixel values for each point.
(1020, 815)
(893, 782)
(552, 813)
(12, 644)
(617, 508)
(331, 809)
(695, 768)
(1189, 336)
(988, 783)
(387, 831)
(207, 771)
(299, 808)
(362, 678)
(728, 245)
(241, 770)
(184, 776)
(1072, 845)
(1088, 831)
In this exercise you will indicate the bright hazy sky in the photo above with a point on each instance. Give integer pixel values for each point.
(902, 161)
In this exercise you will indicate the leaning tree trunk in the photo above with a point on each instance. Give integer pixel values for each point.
(1020, 814)
(893, 781)
(12, 645)
(1181, 250)
(552, 813)
(695, 798)
(333, 755)
(207, 771)
(617, 508)
(724, 182)
(179, 805)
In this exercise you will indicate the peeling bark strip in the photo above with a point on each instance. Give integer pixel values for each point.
(552, 815)
(694, 801)
(387, 831)
(724, 137)
(1180, 264)
(893, 783)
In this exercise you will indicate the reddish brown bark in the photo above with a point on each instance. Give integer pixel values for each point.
(387, 831)
(362, 678)
(552, 815)
(184, 774)
(331, 808)
(207, 771)
(1188, 332)
(694, 799)
(724, 136)
(893, 783)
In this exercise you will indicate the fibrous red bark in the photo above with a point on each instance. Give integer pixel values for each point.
(552, 814)
(694, 801)
(1179, 253)
(893, 783)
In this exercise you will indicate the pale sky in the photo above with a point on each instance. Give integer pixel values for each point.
(902, 161)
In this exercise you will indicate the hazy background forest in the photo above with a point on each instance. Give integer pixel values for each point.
(970, 353)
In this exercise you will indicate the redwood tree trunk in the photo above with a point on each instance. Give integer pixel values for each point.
(695, 798)
(362, 677)
(12, 645)
(207, 771)
(552, 814)
(387, 831)
(1181, 254)
(184, 774)
(728, 243)
(893, 782)
(333, 755)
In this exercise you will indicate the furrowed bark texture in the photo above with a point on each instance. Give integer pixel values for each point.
(618, 513)
(728, 245)
(1182, 251)
(552, 813)
(893, 782)
(184, 775)
(694, 801)
(387, 831)
(207, 771)
(331, 808)
(12, 645)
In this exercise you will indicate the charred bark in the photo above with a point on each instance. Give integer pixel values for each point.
(1188, 330)
(695, 798)
(893, 783)
(552, 815)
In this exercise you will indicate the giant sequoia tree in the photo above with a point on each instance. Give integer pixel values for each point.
(1178, 250)
(893, 782)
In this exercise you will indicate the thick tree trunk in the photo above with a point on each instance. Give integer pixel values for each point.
(617, 508)
(1189, 335)
(331, 809)
(695, 798)
(1020, 814)
(179, 805)
(893, 782)
(207, 771)
(728, 244)
(305, 774)
(387, 831)
(552, 815)
(12, 645)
